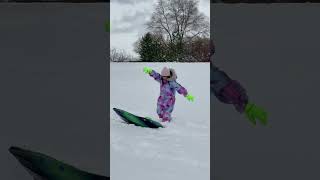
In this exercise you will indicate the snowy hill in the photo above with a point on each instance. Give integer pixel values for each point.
(179, 151)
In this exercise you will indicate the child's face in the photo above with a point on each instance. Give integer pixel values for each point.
(165, 77)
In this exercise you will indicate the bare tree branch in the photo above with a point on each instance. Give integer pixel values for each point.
(178, 19)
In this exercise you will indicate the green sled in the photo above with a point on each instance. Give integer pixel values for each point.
(137, 120)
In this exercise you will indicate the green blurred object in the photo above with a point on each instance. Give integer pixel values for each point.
(42, 167)
(107, 26)
(254, 112)
(190, 97)
(147, 70)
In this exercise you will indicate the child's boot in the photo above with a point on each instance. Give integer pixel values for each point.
(166, 117)
(165, 120)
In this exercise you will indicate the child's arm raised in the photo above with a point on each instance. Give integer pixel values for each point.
(227, 90)
(231, 92)
(156, 76)
(181, 90)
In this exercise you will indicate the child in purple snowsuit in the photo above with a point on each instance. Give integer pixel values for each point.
(168, 88)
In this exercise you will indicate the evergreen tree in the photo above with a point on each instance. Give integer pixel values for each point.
(150, 48)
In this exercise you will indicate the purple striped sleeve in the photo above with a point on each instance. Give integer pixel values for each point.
(180, 89)
(235, 94)
(156, 76)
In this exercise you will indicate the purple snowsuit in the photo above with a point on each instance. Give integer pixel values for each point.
(226, 89)
(167, 99)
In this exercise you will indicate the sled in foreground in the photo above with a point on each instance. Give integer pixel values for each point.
(137, 120)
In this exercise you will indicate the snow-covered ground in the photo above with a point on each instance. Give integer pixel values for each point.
(179, 151)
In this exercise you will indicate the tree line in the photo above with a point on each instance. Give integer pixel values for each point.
(176, 32)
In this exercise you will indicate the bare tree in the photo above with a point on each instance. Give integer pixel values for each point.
(199, 49)
(117, 55)
(178, 19)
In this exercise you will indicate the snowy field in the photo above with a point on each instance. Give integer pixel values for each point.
(179, 151)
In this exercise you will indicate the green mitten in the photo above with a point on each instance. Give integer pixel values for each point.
(190, 97)
(254, 112)
(147, 70)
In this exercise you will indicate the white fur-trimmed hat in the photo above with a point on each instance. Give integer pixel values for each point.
(165, 71)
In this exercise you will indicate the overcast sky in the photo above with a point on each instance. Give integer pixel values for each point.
(128, 18)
